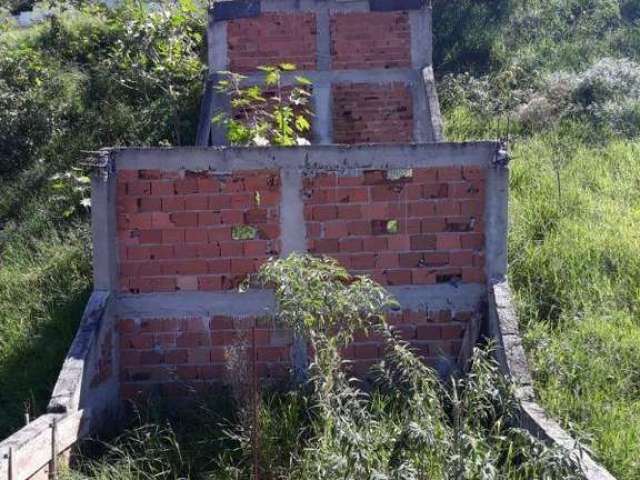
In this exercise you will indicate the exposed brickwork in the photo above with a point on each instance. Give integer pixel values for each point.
(370, 40)
(177, 354)
(424, 229)
(372, 113)
(104, 364)
(176, 232)
(270, 39)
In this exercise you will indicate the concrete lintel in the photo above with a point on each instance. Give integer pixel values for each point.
(462, 297)
(378, 76)
(496, 222)
(233, 9)
(103, 226)
(217, 46)
(395, 5)
(184, 304)
(338, 6)
(318, 157)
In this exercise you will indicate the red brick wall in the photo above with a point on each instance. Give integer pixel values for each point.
(270, 39)
(176, 231)
(372, 113)
(180, 354)
(439, 215)
(370, 40)
(176, 352)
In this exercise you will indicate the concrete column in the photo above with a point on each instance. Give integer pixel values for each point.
(103, 224)
(496, 222)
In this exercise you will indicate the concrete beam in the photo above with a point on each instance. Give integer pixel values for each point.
(315, 157)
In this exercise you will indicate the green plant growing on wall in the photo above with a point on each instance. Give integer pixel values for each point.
(269, 115)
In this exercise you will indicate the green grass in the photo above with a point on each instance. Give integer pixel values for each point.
(575, 269)
(44, 284)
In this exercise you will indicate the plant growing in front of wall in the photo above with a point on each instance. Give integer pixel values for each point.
(272, 114)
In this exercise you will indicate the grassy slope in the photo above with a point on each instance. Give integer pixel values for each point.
(575, 266)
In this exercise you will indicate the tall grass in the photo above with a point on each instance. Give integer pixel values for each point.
(575, 268)
(44, 284)
(404, 424)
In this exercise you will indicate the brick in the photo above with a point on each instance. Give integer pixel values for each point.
(232, 217)
(182, 251)
(149, 204)
(208, 185)
(163, 188)
(378, 210)
(219, 202)
(452, 331)
(349, 212)
(356, 42)
(272, 353)
(410, 260)
(151, 357)
(219, 234)
(187, 283)
(210, 282)
(436, 259)
(472, 240)
(374, 244)
(186, 186)
(184, 267)
(447, 174)
(231, 249)
(199, 356)
(242, 265)
(176, 357)
(173, 236)
(472, 172)
(423, 276)
(270, 39)
(255, 247)
(337, 229)
(195, 235)
(385, 193)
(447, 207)
(221, 322)
(192, 340)
(222, 265)
(398, 277)
(435, 190)
(352, 195)
(161, 252)
(385, 260)
(326, 245)
(242, 200)
(473, 275)
(325, 212)
(350, 181)
(359, 228)
(448, 241)
(363, 261)
(365, 351)
(137, 342)
(422, 209)
(399, 243)
(472, 208)
(423, 242)
(432, 225)
(351, 245)
(138, 188)
(428, 332)
(196, 202)
(461, 258)
(140, 221)
(172, 204)
(184, 219)
(150, 237)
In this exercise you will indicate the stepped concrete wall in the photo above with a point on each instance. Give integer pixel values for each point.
(178, 230)
(369, 62)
